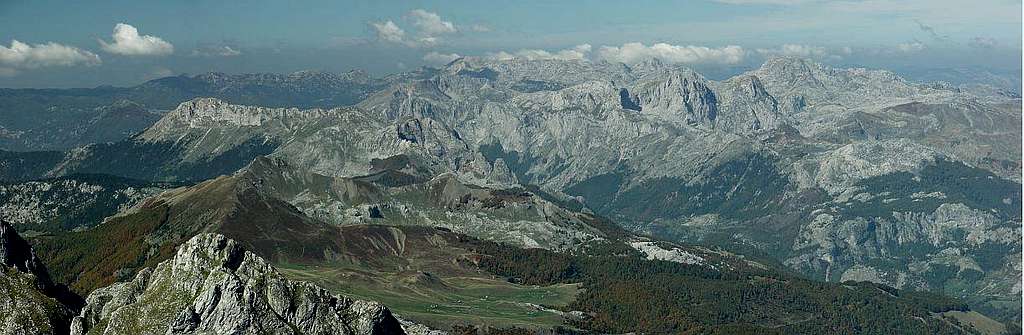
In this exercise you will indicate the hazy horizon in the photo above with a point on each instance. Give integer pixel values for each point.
(122, 43)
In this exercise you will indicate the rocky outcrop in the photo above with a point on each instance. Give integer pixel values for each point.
(962, 251)
(65, 203)
(680, 96)
(747, 107)
(207, 113)
(819, 85)
(17, 254)
(843, 167)
(213, 286)
(28, 298)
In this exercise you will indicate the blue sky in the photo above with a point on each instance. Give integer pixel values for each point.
(70, 43)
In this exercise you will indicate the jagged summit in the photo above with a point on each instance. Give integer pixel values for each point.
(31, 303)
(205, 113)
(16, 253)
(212, 285)
(680, 95)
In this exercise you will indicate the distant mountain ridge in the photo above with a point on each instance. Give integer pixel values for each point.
(839, 173)
(59, 119)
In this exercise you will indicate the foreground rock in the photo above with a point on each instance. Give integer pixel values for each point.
(27, 305)
(213, 286)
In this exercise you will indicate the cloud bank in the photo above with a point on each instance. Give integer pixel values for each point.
(388, 31)
(578, 52)
(428, 29)
(681, 54)
(128, 42)
(431, 24)
(633, 53)
(24, 56)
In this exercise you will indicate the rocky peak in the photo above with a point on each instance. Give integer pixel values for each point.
(753, 87)
(213, 285)
(791, 71)
(586, 96)
(652, 62)
(16, 253)
(816, 84)
(264, 165)
(31, 304)
(678, 95)
(457, 65)
(211, 113)
(777, 64)
(746, 106)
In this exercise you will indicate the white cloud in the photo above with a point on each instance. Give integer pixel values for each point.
(428, 29)
(436, 58)
(389, 31)
(128, 42)
(24, 56)
(430, 24)
(910, 46)
(216, 51)
(578, 52)
(688, 54)
(797, 50)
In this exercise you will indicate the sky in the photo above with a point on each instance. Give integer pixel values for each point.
(50, 43)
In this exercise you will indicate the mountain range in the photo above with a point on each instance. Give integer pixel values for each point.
(446, 184)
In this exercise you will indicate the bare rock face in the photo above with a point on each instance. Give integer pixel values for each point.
(26, 305)
(69, 202)
(746, 106)
(820, 85)
(213, 286)
(858, 161)
(16, 253)
(677, 96)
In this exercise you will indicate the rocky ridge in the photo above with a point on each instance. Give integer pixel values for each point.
(212, 285)
(30, 302)
(752, 159)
